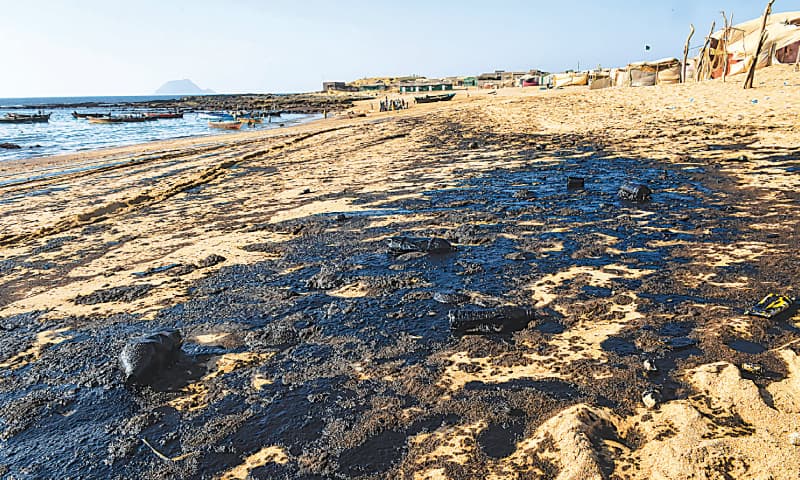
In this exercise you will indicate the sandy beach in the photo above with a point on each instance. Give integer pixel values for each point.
(312, 352)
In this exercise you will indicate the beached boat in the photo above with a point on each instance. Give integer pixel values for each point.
(435, 98)
(89, 115)
(25, 118)
(250, 120)
(121, 119)
(234, 125)
(215, 116)
(163, 115)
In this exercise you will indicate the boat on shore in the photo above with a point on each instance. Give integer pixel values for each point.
(120, 119)
(25, 118)
(250, 120)
(163, 115)
(226, 125)
(435, 98)
(76, 114)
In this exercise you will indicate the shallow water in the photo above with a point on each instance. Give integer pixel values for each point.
(64, 134)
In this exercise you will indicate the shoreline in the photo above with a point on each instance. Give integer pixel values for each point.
(311, 102)
(308, 344)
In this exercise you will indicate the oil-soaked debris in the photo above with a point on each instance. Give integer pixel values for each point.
(649, 365)
(575, 183)
(125, 293)
(210, 261)
(141, 359)
(634, 192)
(328, 277)
(753, 368)
(773, 306)
(451, 297)
(651, 398)
(488, 321)
(402, 245)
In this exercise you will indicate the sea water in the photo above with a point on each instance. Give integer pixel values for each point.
(64, 134)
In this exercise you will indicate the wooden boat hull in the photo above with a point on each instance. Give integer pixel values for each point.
(89, 115)
(17, 118)
(435, 98)
(226, 125)
(163, 116)
(103, 120)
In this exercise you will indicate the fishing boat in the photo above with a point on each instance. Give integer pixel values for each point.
(227, 125)
(435, 98)
(25, 118)
(163, 115)
(215, 116)
(250, 120)
(120, 119)
(76, 114)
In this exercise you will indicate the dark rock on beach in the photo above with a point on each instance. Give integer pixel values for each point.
(141, 359)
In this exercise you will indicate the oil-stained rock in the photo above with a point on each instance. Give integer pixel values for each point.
(141, 359)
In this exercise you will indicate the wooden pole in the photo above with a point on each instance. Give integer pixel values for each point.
(686, 52)
(797, 62)
(725, 47)
(751, 75)
(701, 65)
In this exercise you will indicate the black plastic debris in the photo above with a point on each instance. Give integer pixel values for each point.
(651, 398)
(753, 368)
(401, 245)
(649, 365)
(451, 297)
(140, 360)
(634, 192)
(495, 320)
(773, 306)
(575, 183)
(679, 343)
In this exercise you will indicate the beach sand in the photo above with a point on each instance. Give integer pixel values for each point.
(312, 353)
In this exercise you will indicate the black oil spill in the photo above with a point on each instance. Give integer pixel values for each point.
(506, 223)
(746, 346)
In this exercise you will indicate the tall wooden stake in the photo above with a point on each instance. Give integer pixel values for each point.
(725, 47)
(751, 75)
(797, 61)
(686, 52)
(703, 63)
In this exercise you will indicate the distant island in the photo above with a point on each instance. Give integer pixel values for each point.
(182, 87)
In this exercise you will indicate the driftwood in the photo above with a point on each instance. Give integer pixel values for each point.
(686, 52)
(725, 36)
(751, 75)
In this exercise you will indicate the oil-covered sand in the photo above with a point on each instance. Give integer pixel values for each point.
(311, 352)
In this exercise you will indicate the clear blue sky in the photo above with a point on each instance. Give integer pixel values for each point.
(112, 47)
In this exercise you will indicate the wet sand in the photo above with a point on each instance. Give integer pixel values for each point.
(311, 352)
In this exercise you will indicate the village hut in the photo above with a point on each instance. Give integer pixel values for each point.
(733, 50)
(570, 79)
(659, 72)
